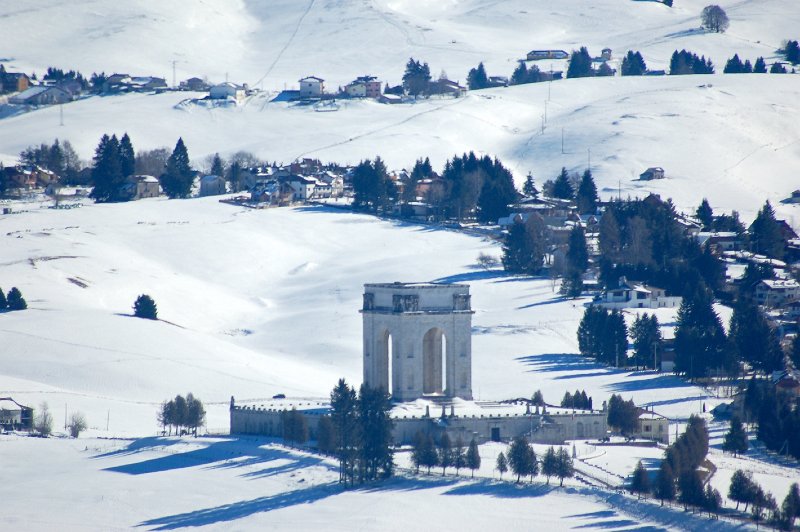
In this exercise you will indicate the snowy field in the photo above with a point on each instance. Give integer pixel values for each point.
(250, 484)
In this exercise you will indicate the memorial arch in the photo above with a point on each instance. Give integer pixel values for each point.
(417, 339)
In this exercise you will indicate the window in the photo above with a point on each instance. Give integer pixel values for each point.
(647, 428)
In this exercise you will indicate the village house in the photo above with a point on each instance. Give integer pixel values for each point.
(446, 86)
(41, 95)
(28, 177)
(390, 98)
(194, 84)
(312, 87)
(228, 90)
(777, 292)
(364, 87)
(302, 186)
(535, 55)
(212, 185)
(605, 54)
(13, 81)
(720, 241)
(14, 416)
(118, 83)
(652, 426)
(654, 172)
(140, 187)
(634, 295)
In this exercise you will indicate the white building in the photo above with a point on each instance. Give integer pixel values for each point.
(312, 87)
(227, 90)
(212, 185)
(633, 295)
(303, 187)
(777, 292)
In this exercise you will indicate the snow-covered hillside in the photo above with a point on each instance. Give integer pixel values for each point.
(270, 44)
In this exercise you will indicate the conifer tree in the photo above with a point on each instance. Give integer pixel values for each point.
(742, 488)
(326, 436)
(446, 457)
(473, 458)
(15, 301)
(564, 466)
(735, 440)
(343, 416)
(791, 505)
(640, 483)
(145, 307)
(562, 188)
(792, 52)
(699, 336)
(502, 464)
(477, 78)
(107, 171)
(734, 65)
(633, 64)
(705, 214)
(375, 458)
(586, 196)
(664, 488)
(777, 68)
(760, 67)
(766, 234)
(550, 463)
(217, 166)
(178, 178)
(529, 188)
(577, 255)
(3, 301)
(519, 457)
(459, 454)
(127, 157)
(580, 64)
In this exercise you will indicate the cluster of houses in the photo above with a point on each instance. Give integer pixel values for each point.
(14, 416)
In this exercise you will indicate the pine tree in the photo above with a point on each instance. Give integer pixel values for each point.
(633, 64)
(572, 284)
(446, 457)
(473, 457)
(792, 52)
(664, 488)
(477, 78)
(741, 488)
(343, 416)
(580, 64)
(705, 214)
(502, 464)
(529, 188)
(107, 171)
(766, 233)
(550, 463)
(691, 489)
(577, 256)
(520, 74)
(640, 483)
(459, 454)
(760, 67)
(646, 336)
(735, 440)
(564, 466)
(416, 78)
(217, 166)
(777, 68)
(375, 459)
(15, 301)
(734, 65)
(127, 157)
(3, 300)
(519, 457)
(586, 196)
(525, 245)
(562, 188)
(791, 505)
(178, 177)
(145, 307)
(326, 436)
(699, 336)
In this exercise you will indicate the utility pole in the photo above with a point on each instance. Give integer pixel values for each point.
(545, 111)
(542, 124)
(65, 416)
(61, 114)
(174, 62)
(655, 366)
(108, 417)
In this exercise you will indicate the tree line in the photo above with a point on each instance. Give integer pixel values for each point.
(744, 489)
(426, 453)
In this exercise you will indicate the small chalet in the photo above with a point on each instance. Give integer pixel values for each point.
(212, 185)
(312, 87)
(654, 172)
(535, 55)
(446, 86)
(41, 95)
(303, 187)
(228, 91)
(652, 426)
(27, 177)
(720, 241)
(14, 416)
(140, 187)
(777, 292)
(633, 295)
(390, 98)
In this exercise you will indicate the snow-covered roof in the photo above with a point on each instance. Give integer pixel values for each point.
(33, 91)
(312, 78)
(7, 403)
(774, 284)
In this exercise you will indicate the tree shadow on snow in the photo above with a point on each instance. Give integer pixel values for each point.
(564, 362)
(471, 276)
(664, 381)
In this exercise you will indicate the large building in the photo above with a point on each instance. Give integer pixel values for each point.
(417, 345)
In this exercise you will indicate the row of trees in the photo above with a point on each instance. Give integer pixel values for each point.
(358, 432)
(183, 414)
(579, 401)
(59, 157)
(427, 454)
(744, 489)
(684, 62)
(521, 459)
(14, 300)
(776, 417)
(115, 161)
(736, 66)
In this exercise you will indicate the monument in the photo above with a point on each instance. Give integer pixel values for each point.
(418, 339)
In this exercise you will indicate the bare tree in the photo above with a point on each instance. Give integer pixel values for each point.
(77, 424)
(487, 261)
(152, 162)
(714, 19)
(43, 423)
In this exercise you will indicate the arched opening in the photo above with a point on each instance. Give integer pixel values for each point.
(384, 359)
(579, 427)
(434, 362)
